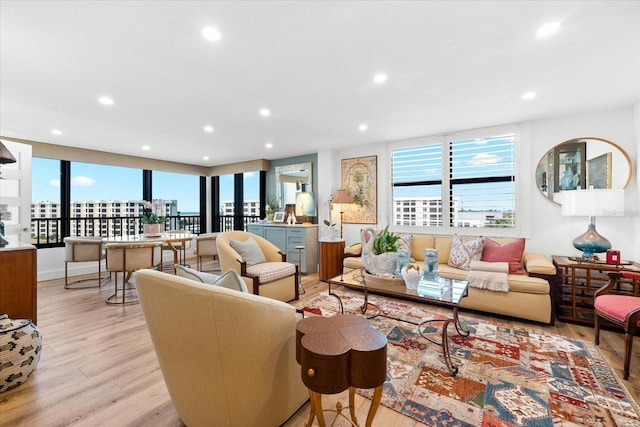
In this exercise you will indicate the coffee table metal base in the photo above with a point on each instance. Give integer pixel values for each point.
(444, 342)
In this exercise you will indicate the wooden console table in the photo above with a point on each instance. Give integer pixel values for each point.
(340, 352)
(19, 282)
(577, 282)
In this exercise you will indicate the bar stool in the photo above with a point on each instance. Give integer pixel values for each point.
(300, 287)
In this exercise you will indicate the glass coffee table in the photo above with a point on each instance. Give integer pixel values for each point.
(437, 291)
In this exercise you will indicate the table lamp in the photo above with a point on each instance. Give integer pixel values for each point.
(592, 203)
(341, 197)
(305, 205)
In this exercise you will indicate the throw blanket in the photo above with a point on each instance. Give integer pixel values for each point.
(489, 275)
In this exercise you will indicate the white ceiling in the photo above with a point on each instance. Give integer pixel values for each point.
(452, 66)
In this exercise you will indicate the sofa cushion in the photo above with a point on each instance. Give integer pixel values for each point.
(249, 250)
(420, 242)
(354, 249)
(443, 245)
(271, 271)
(463, 251)
(508, 252)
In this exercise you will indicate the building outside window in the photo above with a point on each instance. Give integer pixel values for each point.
(456, 182)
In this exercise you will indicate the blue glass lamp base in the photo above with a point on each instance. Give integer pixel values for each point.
(590, 242)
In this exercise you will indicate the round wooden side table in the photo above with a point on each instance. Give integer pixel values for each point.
(340, 352)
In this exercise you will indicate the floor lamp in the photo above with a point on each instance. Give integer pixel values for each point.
(342, 197)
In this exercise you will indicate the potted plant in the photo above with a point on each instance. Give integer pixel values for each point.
(153, 223)
(379, 251)
(272, 206)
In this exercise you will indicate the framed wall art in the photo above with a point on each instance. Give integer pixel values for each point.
(570, 173)
(359, 178)
(599, 171)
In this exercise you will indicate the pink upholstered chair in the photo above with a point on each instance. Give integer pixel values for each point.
(621, 310)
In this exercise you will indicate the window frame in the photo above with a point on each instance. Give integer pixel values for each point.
(521, 198)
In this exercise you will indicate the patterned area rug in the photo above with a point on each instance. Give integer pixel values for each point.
(507, 377)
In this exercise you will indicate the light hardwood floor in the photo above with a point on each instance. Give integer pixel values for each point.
(98, 367)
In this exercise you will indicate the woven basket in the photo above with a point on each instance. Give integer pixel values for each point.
(20, 345)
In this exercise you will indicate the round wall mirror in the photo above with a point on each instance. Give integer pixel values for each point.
(582, 163)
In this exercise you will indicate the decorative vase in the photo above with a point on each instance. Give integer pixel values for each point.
(20, 345)
(153, 229)
(411, 275)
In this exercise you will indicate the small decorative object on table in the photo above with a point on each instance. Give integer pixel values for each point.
(379, 251)
(430, 264)
(411, 276)
(613, 257)
(20, 345)
(152, 219)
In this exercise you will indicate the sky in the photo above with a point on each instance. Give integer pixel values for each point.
(100, 182)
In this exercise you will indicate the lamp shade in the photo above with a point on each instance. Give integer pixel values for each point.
(306, 203)
(342, 196)
(5, 155)
(593, 202)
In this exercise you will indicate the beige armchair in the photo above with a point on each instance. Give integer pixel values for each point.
(83, 249)
(126, 258)
(274, 278)
(206, 246)
(228, 358)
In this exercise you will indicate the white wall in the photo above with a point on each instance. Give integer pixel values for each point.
(547, 231)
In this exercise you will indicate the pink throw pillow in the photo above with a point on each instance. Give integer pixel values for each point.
(509, 252)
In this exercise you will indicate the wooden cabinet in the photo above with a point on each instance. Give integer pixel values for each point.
(288, 238)
(577, 282)
(19, 282)
(331, 254)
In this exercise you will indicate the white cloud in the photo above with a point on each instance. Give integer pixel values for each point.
(249, 174)
(83, 181)
(484, 159)
(54, 183)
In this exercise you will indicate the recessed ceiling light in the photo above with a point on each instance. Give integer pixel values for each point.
(208, 129)
(105, 100)
(205, 157)
(211, 33)
(146, 148)
(56, 131)
(528, 95)
(548, 29)
(380, 78)
(265, 112)
(363, 127)
(268, 145)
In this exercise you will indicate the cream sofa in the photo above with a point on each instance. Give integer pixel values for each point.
(228, 358)
(529, 295)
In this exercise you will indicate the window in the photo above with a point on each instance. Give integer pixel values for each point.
(463, 182)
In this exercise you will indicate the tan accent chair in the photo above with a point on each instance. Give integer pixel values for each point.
(206, 246)
(283, 288)
(126, 258)
(83, 249)
(228, 358)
